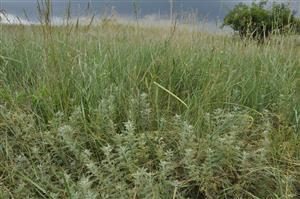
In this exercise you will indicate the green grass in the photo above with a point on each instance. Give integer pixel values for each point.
(119, 111)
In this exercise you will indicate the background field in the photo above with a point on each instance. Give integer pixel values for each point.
(129, 111)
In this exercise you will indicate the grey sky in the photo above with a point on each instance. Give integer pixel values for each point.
(212, 9)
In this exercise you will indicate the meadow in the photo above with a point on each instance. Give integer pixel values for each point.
(130, 111)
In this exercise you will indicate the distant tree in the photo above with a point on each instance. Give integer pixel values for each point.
(297, 26)
(282, 18)
(257, 21)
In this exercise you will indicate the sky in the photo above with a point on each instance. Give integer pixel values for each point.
(209, 9)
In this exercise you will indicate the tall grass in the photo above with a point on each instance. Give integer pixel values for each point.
(122, 111)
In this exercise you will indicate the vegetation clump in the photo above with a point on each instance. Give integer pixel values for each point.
(258, 21)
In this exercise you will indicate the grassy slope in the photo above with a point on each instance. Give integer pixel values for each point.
(81, 116)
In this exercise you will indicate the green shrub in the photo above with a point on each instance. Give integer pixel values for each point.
(297, 26)
(257, 21)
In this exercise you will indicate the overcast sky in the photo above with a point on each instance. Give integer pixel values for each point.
(211, 9)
